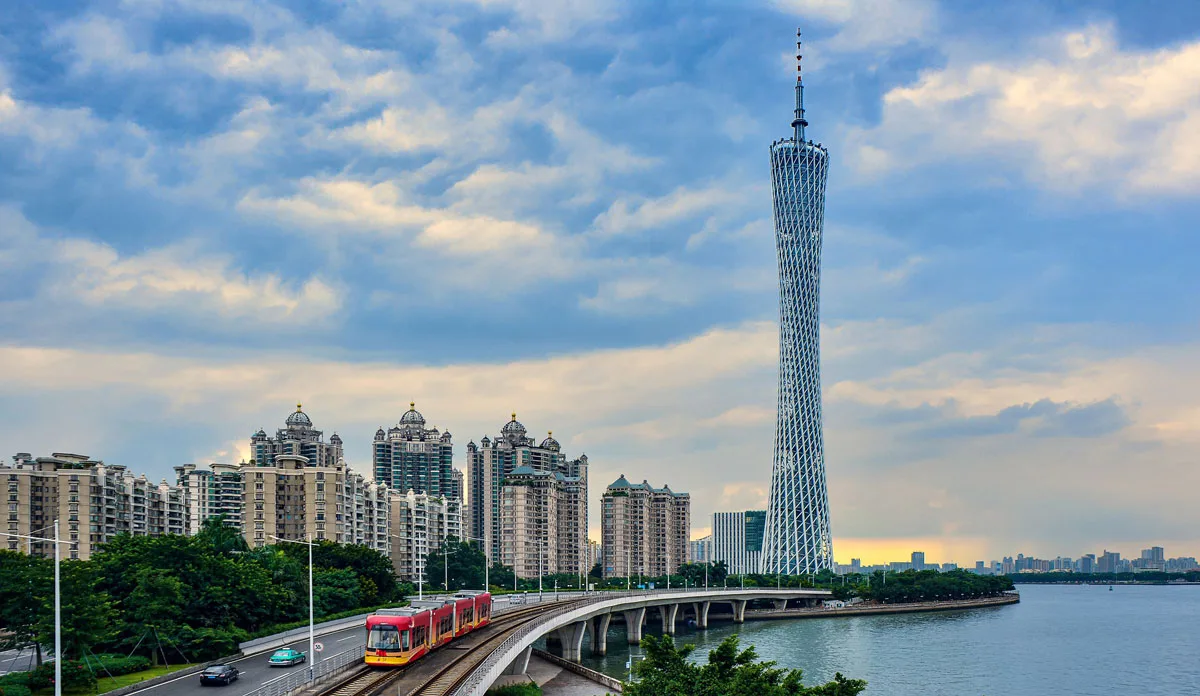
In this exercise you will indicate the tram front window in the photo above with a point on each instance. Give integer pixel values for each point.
(385, 637)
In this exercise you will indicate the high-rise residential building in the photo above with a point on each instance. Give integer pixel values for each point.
(798, 538)
(542, 528)
(91, 500)
(213, 492)
(737, 539)
(288, 494)
(701, 550)
(593, 555)
(1087, 563)
(644, 530)
(411, 457)
(297, 437)
(489, 465)
(918, 560)
(420, 523)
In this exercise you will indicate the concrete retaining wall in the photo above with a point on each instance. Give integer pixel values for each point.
(598, 677)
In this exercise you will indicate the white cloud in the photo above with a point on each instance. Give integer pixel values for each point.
(176, 277)
(1080, 112)
(627, 215)
(866, 24)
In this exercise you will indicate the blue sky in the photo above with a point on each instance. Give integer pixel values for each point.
(210, 210)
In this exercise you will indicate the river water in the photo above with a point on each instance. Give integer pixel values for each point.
(1061, 639)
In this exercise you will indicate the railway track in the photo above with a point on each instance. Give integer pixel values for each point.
(362, 681)
(453, 674)
(365, 681)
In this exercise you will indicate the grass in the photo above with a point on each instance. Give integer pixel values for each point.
(106, 684)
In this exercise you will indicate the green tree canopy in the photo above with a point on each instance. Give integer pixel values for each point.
(466, 566)
(24, 583)
(730, 671)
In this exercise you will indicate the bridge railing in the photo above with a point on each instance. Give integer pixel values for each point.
(502, 653)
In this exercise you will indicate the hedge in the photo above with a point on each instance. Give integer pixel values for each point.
(14, 690)
(116, 665)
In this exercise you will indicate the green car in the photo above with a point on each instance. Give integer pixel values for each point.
(286, 658)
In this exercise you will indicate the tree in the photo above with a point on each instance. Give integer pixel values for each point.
(730, 671)
(24, 582)
(466, 565)
(220, 537)
(88, 616)
(154, 609)
(335, 591)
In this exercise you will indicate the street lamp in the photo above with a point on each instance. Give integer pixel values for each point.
(312, 653)
(58, 658)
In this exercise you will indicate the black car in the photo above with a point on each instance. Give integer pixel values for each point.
(218, 674)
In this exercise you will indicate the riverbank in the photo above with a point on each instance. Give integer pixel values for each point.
(875, 609)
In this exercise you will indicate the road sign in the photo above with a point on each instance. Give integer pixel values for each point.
(318, 647)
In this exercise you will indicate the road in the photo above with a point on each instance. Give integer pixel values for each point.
(19, 661)
(254, 669)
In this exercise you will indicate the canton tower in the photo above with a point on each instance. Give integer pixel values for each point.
(797, 538)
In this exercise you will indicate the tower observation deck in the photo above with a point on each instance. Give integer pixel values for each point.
(797, 538)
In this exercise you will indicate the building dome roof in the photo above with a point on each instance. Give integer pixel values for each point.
(513, 427)
(550, 443)
(299, 418)
(379, 434)
(412, 416)
(335, 440)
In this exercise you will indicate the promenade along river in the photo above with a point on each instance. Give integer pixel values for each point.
(1061, 639)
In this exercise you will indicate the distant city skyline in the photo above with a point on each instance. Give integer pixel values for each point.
(564, 209)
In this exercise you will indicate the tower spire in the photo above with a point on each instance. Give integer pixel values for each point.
(799, 123)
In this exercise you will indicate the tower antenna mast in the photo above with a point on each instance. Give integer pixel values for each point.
(799, 123)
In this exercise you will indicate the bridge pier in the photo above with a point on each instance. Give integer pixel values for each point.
(780, 604)
(701, 609)
(739, 611)
(667, 613)
(570, 639)
(633, 624)
(600, 634)
(520, 665)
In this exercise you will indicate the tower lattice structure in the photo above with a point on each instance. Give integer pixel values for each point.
(797, 538)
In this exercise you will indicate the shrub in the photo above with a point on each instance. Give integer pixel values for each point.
(116, 665)
(14, 690)
(75, 675)
(527, 689)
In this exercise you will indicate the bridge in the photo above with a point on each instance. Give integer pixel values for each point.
(566, 624)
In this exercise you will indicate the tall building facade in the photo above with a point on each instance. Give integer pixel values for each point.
(542, 523)
(297, 437)
(644, 530)
(411, 457)
(299, 487)
(419, 524)
(737, 539)
(489, 466)
(701, 550)
(798, 538)
(214, 492)
(92, 502)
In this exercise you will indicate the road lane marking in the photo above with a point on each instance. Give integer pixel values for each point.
(346, 638)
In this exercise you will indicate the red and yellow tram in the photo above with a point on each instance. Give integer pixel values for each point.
(398, 637)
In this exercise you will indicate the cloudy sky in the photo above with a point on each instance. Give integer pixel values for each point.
(211, 210)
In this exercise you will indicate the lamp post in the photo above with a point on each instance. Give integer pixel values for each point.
(312, 653)
(58, 658)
